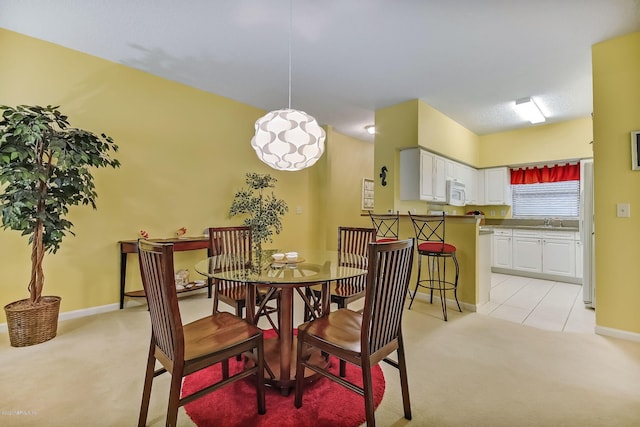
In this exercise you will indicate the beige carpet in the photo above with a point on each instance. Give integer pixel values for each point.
(471, 371)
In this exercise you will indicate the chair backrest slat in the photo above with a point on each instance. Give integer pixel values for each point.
(353, 245)
(387, 285)
(231, 249)
(353, 251)
(158, 280)
(232, 242)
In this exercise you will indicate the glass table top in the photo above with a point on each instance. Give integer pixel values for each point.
(311, 266)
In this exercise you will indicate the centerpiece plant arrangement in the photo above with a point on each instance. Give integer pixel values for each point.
(45, 167)
(264, 209)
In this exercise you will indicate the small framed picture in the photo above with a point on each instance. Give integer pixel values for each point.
(367, 194)
(635, 150)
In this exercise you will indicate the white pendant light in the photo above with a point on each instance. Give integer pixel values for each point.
(288, 139)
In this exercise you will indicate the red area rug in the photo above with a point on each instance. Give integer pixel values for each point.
(324, 402)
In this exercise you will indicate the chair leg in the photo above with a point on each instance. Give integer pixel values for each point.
(225, 368)
(434, 274)
(404, 381)
(455, 285)
(343, 364)
(174, 398)
(299, 371)
(238, 356)
(417, 282)
(146, 388)
(368, 393)
(260, 377)
(442, 286)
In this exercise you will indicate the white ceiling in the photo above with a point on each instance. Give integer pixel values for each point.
(469, 59)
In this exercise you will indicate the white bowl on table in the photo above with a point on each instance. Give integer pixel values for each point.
(291, 256)
(277, 257)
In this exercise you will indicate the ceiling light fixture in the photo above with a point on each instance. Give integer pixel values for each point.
(529, 110)
(371, 129)
(288, 139)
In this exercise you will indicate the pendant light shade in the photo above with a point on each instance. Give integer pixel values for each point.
(288, 140)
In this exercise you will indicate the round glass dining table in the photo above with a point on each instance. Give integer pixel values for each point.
(311, 268)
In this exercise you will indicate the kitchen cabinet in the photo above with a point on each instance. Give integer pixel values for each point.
(543, 253)
(501, 253)
(422, 176)
(470, 180)
(559, 253)
(465, 174)
(494, 186)
(527, 253)
(439, 179)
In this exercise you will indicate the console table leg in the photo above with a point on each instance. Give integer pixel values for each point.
(123, 275)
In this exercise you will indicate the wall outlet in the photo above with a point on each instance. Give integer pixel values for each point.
(298, 210)
(503, 212)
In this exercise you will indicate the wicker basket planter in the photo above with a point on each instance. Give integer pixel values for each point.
(29, 325)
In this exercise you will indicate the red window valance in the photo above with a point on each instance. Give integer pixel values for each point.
(546, 174)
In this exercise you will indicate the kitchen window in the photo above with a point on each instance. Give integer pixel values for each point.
(547, 192)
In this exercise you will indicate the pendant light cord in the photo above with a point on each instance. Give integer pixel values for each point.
(290, 36)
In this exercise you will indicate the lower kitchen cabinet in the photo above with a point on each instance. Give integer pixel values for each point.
(559, 253)
(527, 254)
(502, 249)
(551, 254)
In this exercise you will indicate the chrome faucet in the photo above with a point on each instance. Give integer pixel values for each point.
(547, 222)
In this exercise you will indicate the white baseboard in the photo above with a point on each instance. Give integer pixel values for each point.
(77, 313)
(617, 333)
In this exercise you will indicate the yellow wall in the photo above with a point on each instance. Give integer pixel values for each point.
(410, 124)
(184, 153)
(348, 160)
(441, 135)
(616, 108)
(396, 127)
(541, 143)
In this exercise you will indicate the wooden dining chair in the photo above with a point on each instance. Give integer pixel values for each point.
(235, 243)
(387, 226)
(184, 349)
(367, 337)
(352, 252)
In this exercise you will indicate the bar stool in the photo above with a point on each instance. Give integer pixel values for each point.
(430, 238)
(386, 226)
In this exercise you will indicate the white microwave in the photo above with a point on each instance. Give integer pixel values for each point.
(455, 193)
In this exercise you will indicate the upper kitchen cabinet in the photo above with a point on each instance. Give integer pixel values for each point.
(422, 176)
(469, 177)
(466, 175)
(494, 186)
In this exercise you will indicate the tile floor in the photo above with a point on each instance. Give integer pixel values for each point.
(543, 304)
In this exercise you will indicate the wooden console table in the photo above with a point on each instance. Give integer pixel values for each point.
(182, 244)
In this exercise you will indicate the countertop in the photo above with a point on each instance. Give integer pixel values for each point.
(534, 227)
(553, 224)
